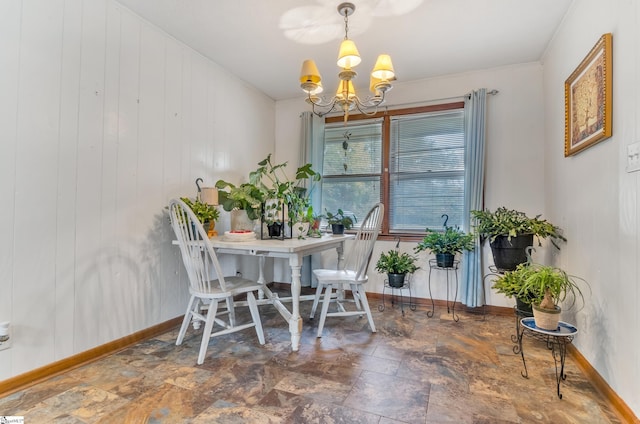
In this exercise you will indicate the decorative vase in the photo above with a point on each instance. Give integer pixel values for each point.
(546, 319)
(508, 254)
(445, 260)
(396, 280)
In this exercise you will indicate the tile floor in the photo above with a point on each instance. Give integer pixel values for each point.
(415, 369)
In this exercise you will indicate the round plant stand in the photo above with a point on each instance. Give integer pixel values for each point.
(451, 307)
(557, 341)
(397, 296)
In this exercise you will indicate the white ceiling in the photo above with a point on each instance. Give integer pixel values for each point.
(437, 37)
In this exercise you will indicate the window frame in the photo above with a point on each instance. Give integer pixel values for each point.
(386, 117)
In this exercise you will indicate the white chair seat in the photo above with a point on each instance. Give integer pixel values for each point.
(207, 284)
(351, 277)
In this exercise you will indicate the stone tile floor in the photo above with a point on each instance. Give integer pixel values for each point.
(415, 369)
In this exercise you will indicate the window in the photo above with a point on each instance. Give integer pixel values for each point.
(411, 160)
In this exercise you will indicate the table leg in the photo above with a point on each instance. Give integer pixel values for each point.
(261, 281)
(295, 322)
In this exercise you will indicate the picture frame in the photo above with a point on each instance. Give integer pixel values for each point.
(587, 97)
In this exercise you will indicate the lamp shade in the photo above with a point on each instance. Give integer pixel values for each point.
(309, 72)
(384, 68)
(209, 195)
(348, 56)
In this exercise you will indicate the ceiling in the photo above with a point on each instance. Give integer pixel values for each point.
(265, 41)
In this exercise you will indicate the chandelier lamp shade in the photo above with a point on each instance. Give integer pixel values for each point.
(346, 99)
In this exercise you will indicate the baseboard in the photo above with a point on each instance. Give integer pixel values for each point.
(617, 404)
(37, 375)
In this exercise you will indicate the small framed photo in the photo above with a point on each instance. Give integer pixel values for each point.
(587, 98)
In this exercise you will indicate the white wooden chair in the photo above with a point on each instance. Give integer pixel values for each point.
(352, 275)
(207, 285)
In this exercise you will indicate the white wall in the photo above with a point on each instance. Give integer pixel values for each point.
(594, 198)
(104, 118)
(515, 157)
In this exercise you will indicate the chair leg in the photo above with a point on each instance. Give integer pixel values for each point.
(208, 327)
(232, 312)
(316, 299)
(185, 321)
(255, 314)
(356, 298)
(365, 303)
(328, 291)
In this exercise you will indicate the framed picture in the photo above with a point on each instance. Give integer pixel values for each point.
(587, 98)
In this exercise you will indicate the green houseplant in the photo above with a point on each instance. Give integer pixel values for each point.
(396, 265)
(445, 244)
(203, 211)
(245, 197)
(339, 221)
(510, 232)
(282, 193)
(206, 214)
(547, 286)
(541, 287)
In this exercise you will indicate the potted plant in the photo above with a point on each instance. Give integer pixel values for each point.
(509, 283)
(284, 194)
(445, 244)
(510, 232)
(246, 197)
(339, 221)
(548, 286)
(206, 214)
(396, 265)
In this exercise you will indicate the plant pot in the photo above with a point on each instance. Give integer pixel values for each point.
(546, 319)
(523, 309)
(337, 229)
(275, 229)
(240, 220)
(445, 260)
(300, 229)
(396, 280)
(507, 255)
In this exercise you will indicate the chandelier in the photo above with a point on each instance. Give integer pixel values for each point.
(346, 99)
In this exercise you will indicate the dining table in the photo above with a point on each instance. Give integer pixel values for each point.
(293, 250)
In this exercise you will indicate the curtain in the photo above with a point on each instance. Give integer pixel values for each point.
(311, 146)
(471, 288)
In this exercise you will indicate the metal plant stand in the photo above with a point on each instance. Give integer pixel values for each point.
(433, 264)
(557, 341)
(397, 292)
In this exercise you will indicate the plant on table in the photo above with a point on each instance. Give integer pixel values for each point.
(203, 211)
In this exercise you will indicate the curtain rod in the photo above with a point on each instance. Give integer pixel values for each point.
(492, 92)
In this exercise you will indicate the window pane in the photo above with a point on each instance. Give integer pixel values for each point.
(419, 201)
(355, 149)
(426, 162)
(353, 196)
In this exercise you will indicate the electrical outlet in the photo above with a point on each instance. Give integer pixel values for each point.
(633, 157)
